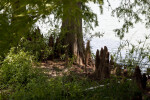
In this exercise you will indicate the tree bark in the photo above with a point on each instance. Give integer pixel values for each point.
(71, 31)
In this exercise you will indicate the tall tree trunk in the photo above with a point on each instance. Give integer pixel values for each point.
(73, 36)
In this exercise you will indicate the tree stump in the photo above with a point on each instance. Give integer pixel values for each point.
(97, 64)
(87, 54)
(57, 48)
(51, 41)
(138, 77)
(51, 45)
(88, 59)
(102, 64)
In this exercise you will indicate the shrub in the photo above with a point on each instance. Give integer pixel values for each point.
(38, 48)
(20, 79)
(114, 90)
(17, 68)
(25, 82)
(55, 89)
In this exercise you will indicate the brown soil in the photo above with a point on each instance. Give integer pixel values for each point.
(58, 68)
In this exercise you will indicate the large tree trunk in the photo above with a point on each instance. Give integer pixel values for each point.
(73, 36)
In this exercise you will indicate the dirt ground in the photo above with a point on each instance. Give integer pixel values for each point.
(59, 68)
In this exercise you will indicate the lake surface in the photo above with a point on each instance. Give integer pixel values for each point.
(107, 24)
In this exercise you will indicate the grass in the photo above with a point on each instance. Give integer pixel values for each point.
(74, 88)
(21, 81)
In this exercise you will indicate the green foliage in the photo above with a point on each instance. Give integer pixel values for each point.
(131, 12)
(36, 89)
(17, 68)
(19, 79)
(3, 96)
(71, 60)
(73, 87)
(1, 60)
(136, 54)
(37, 47)
(148, 71)
(18, 18)
(114, 90)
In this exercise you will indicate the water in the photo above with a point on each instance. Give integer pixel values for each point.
(107, 24)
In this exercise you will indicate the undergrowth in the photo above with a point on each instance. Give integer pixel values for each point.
(19, 80)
